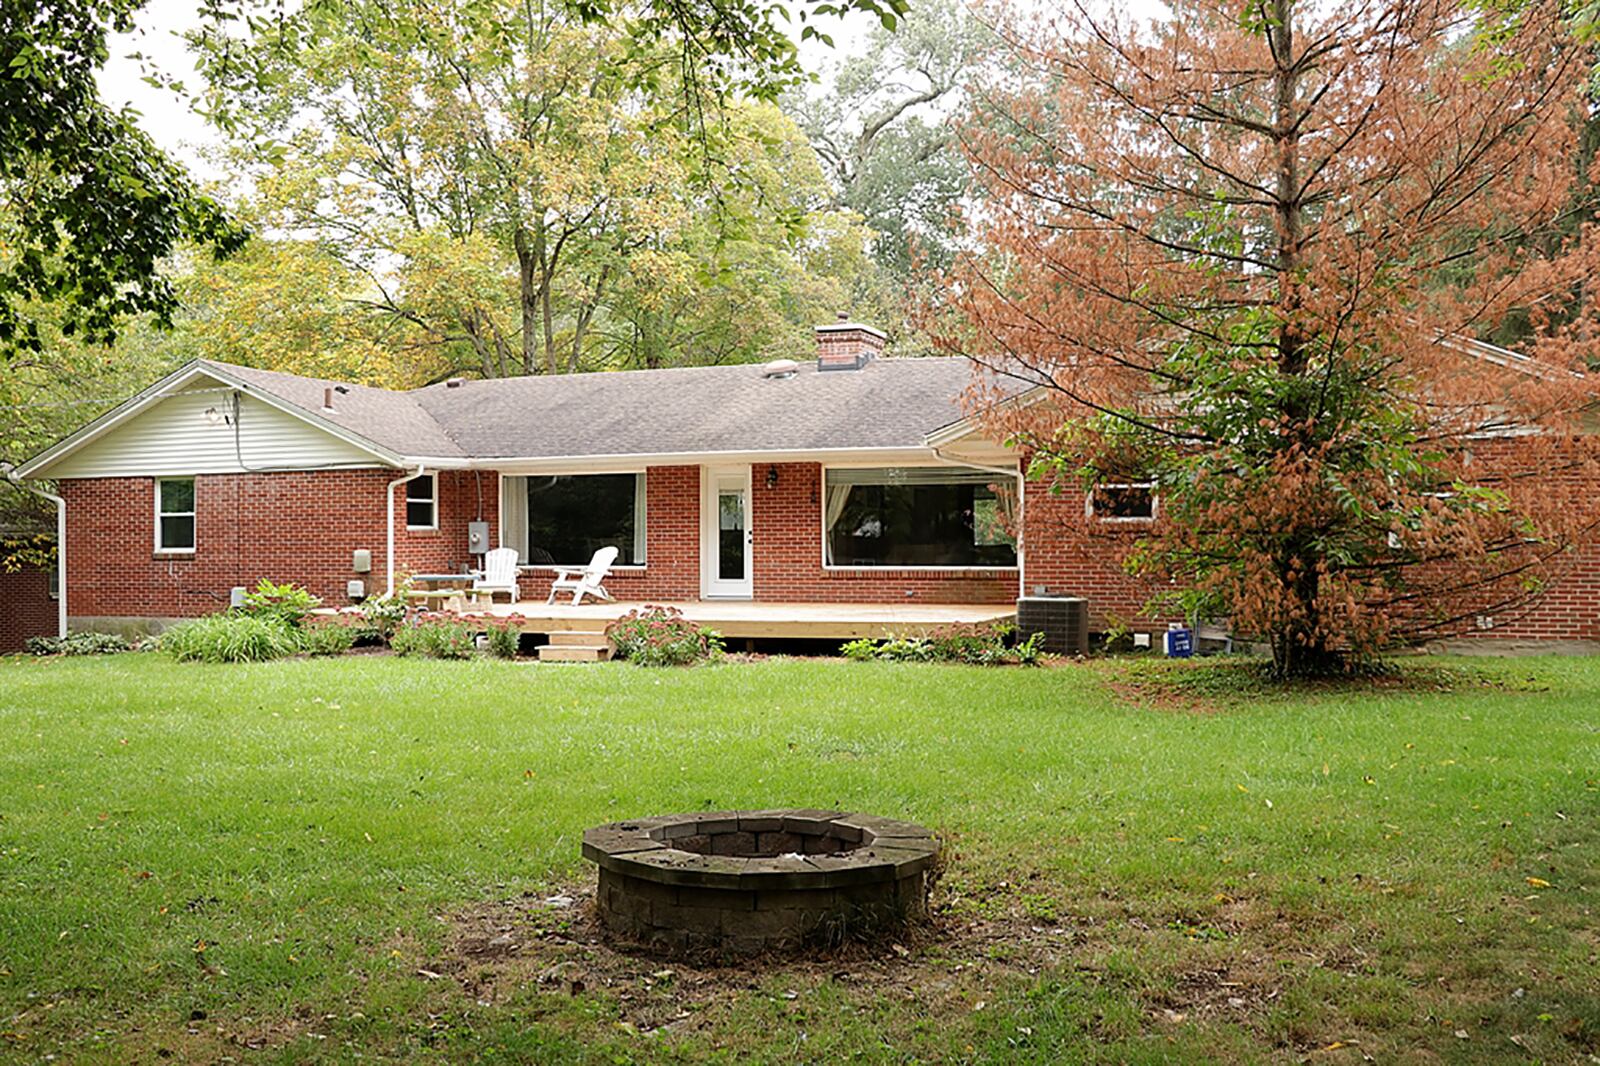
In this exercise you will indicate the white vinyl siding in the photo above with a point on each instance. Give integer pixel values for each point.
(175, 436)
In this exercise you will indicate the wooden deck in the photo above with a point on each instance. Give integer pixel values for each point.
(750, 620)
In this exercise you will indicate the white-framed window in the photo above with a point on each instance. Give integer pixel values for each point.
(918, 518)
(175, 515)
(1129, 501)
(422, 502)
(563, 519)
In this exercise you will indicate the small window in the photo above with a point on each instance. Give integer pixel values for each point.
(1133, 502)
(422, 495)
(175, 515)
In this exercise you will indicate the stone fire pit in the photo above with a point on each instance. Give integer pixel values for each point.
(749, 881)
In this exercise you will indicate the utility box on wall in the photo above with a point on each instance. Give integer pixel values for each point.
(1064, 621)
(477, 537)
(361, 561)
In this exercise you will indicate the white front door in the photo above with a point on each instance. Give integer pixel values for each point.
(725, 532)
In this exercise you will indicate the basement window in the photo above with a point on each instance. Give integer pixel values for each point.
(422, 502)
(918, 517)
(1133, 501)
(175, 515)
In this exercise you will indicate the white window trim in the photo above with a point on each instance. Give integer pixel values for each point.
(641, 518)
(822, 540)
(1155, 503)
(191, 515)
(434, 478)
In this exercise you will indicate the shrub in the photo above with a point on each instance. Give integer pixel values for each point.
(973, 645)
(662, 636)
(382, 615)
(435, 637)
(287, 603)
(82, 643)
(327, 638)
(230, 637)
(504, 637)
(861, 650)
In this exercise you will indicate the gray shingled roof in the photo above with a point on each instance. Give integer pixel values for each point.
(889, 403)
(389, 419)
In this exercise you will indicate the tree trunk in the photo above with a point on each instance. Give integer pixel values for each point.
(528, 289)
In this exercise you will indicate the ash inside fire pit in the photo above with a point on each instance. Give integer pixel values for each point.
(748, 881)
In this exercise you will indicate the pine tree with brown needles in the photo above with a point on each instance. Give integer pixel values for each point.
(1245, 252)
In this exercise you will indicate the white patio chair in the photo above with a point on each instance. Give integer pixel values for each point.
(499, 575)
(588, 581)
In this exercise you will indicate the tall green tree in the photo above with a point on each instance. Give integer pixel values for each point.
(881, 125)
(89, 207)
(519, 191)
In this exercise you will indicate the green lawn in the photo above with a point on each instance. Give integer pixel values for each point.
(294, 861)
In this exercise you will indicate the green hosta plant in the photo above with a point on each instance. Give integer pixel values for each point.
(81, 643)
(974, 645)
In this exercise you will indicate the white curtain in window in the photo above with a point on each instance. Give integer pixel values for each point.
(639, 484)
(514, 515)
(1005, 495)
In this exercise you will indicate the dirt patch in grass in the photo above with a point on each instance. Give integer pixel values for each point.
(950, 967)
(1208, 686)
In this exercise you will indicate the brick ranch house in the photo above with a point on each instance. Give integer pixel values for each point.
(847, 479)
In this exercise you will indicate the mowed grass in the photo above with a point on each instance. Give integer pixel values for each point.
(255, 862)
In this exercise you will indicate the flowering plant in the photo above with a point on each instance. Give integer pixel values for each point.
(661, 636)
(504, 635)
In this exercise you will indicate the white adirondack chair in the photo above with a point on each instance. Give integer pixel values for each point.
(499, 575)
(588, 581)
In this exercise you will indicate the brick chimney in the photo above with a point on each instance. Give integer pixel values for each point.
(846, 345)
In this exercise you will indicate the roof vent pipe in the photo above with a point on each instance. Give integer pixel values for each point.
(454, 383)
(327, 399)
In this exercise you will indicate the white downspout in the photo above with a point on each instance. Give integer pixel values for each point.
(1022, 511)
(61, 545)
(396, 483)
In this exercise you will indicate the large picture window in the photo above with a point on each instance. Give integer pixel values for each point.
(563, 521)
(175, 515)
(914, 516)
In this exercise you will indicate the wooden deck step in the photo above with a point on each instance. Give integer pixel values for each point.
(574, 653)
(579, 638)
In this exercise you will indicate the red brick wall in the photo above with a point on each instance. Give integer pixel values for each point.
(1070, 554)
(300, 527)
(26, 609)
(786, 525)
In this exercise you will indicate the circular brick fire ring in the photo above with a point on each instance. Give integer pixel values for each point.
(749, 881)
